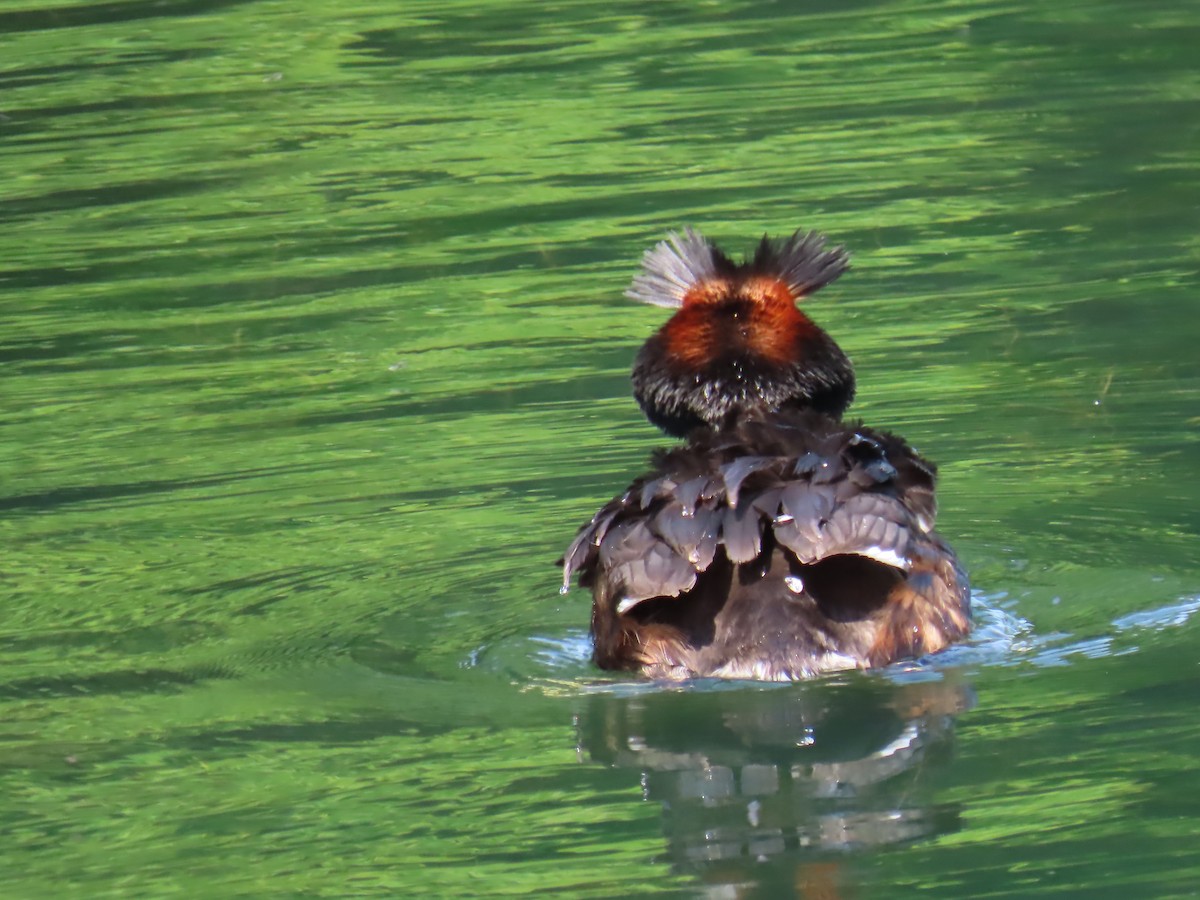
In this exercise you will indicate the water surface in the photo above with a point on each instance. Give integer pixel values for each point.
(315, 355)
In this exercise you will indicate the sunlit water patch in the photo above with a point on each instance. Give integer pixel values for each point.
(1127, 635)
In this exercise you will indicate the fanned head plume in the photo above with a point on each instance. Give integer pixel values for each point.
(687, 267)
(672, 267)
(737, 342)
(802, 262)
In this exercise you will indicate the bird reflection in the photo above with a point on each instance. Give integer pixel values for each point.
(765, 791)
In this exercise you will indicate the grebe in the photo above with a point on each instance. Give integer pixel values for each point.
(778, 542)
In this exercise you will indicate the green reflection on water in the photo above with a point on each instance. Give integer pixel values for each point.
(315, 354)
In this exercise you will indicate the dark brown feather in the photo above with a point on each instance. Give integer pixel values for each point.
(781, 547)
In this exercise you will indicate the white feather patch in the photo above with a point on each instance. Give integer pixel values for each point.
(626, 604)
(886, 556)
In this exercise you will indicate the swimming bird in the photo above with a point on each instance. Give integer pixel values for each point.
(778, 541)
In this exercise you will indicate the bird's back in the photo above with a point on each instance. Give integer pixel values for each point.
(786, 545)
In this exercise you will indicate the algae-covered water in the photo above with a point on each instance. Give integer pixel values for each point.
(314, 355)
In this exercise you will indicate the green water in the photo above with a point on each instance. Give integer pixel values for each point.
(315, 355)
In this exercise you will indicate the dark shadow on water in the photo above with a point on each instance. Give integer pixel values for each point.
(768, 791)
(79, 15)
(102, 495)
